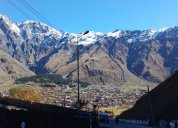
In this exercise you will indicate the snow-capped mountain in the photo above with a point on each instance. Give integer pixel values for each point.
(106, 58)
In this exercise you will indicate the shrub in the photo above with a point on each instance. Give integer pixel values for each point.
(26, 93)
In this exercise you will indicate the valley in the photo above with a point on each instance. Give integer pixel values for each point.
(62, 95)
(88, 64)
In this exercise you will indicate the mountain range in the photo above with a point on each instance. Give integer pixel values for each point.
(118, 57)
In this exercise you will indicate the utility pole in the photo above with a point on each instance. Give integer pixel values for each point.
(78, 78)
(78, 55)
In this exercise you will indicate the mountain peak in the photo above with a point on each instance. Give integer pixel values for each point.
(87, 39)
(9, 24)
(167, 28)
(29, 22)
(117, 33)
(3, 16)
(5, 19)
(39, 27)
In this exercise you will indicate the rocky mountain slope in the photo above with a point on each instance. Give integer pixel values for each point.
(117, 57)
(11, 69)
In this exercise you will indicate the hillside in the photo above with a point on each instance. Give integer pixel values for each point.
(11, 69)
(96, 66)
(161, 102)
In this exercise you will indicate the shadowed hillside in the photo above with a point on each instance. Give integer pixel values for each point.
(35, 115)
(160, 103)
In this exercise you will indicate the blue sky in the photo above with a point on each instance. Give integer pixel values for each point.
(98, 15)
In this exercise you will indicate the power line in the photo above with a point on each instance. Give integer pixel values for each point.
(35, 12)
(30, 8)
(20, 10)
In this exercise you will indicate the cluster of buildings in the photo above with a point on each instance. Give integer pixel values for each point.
(103, 96)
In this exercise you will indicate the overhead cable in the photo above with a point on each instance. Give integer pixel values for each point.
(20, 10)
(35, 12)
